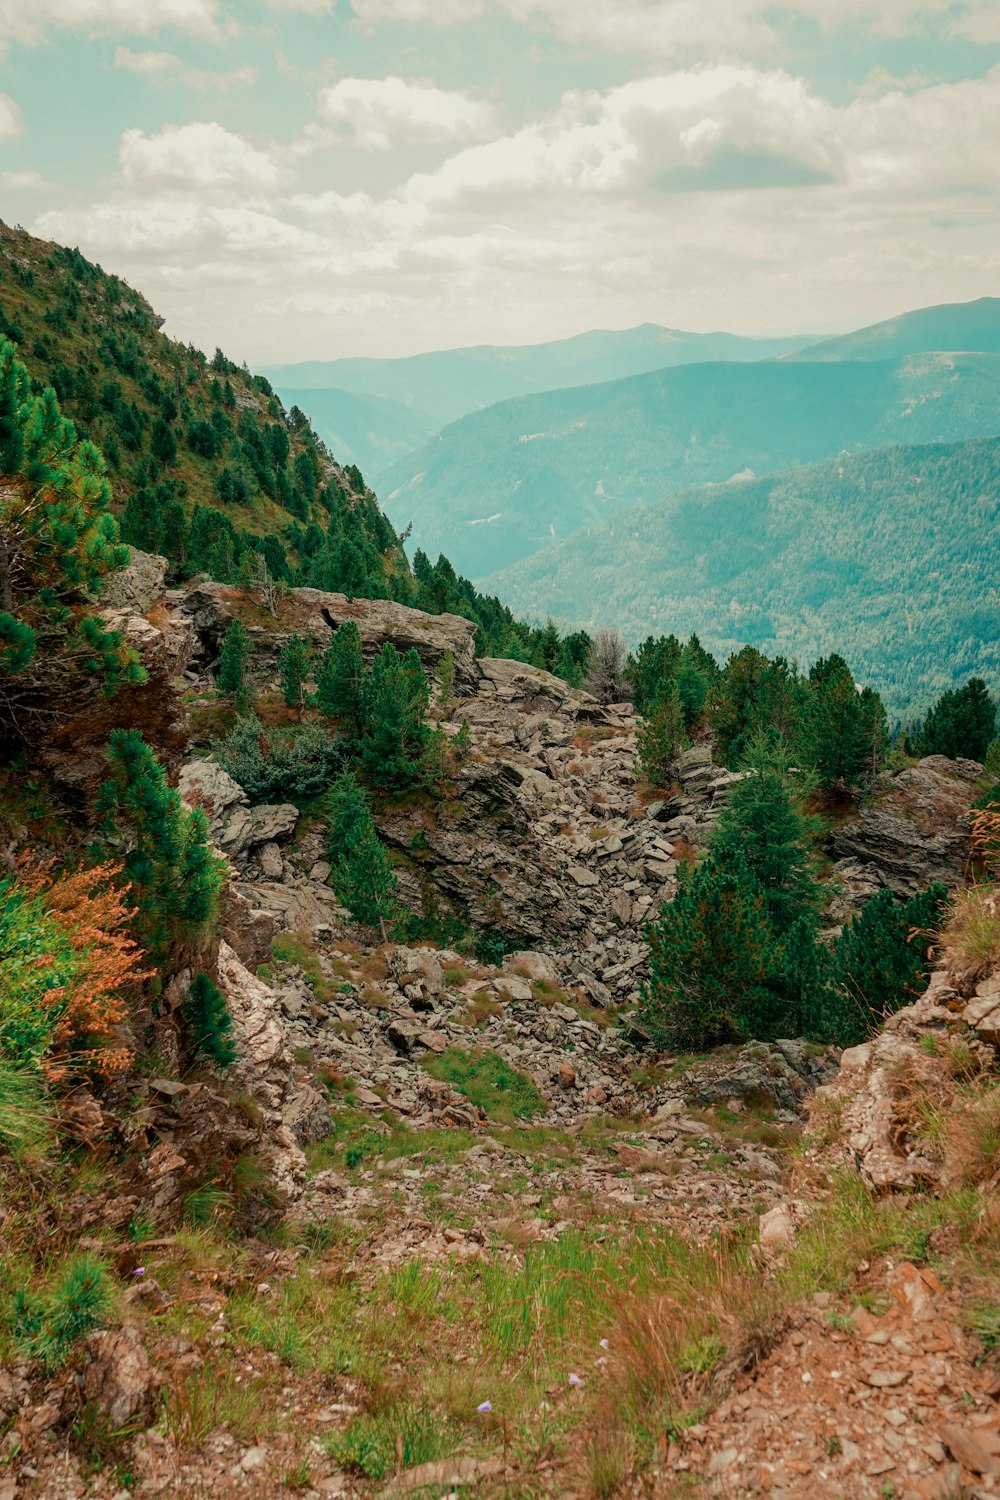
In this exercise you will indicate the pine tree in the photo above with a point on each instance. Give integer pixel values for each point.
(293, 665)
(662, 737)
(881, 962)
(234, 661)
(58, 540)
(361, 873)
(210, 1022)
(162, 443)
(761, 825)
(843, 733)
(174, 875)
(712, 957)
(394, 698)
(961, 724)
(338, 677)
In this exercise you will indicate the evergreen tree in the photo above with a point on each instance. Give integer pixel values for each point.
(293, 665)
(661, 737)
(692, 689)
(361, 873)
(712, 956)
(843, 733)
(162, 443)
(338, 677)
(394, 699)
(761, 825)
(58, 540)
(881, 962)
(961, 724)
(174, 875)
(210, 1022)
(234, 661)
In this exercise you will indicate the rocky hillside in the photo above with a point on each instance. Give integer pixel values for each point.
(445, 1220)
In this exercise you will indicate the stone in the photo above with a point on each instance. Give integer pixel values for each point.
(139, 586)
(271, 823)
(539, 967)
(119, 1378)
(776, 1230)
(204, 784)
(270, 861)
(966, 1447)
(417, 965)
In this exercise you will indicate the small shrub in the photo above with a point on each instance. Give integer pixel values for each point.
(210, 1021)
(50, 1325)
(281, 765)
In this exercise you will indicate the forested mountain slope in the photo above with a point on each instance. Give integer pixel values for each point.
(205, 464)
(502, 483)
(448, 383)
(951, 325)
(372, 432)
(889, 557)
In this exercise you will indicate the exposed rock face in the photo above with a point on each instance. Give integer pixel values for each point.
(265, 1065)
(211, 606)
(913, 833)
(236, 827)
(119, 1378)
(138, 587)
(883, 1083)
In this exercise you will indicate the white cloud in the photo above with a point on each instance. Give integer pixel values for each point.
(11, 123)
(687, 28)
(375, 111)
(23, 180)
(27, 21)
(308, 7)
(721, 127)
(193, 157)
(795, 209)
(164, 67)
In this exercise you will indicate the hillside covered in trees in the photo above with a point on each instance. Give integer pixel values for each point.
(204, 464)
(888, 557)
(504, 482)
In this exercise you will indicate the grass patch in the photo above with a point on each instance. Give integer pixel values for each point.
(501, 1091)
(297, 948)
(402, 1437)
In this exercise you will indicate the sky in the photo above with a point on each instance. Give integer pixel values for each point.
(309, 179)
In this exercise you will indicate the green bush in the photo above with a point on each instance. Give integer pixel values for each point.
(877, 965)
(281, 765)
(49, 1325)
(372, 1445)
(210, 1022)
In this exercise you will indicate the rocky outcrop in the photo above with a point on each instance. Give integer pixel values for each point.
(236, 827)
(885, 1088)
(210, 607)
(913, 832)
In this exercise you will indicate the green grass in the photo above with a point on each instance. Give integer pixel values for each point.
(501, 1091)
(373, 1445)
(297, 948)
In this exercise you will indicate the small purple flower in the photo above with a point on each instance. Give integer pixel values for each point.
(575, 1380)
(485, 1406)
(139, 1271)
(604, 1344)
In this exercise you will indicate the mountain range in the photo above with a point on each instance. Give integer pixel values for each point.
(442, 386)
(888, 557)
(498, 485)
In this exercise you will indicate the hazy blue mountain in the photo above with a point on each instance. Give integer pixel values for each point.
(501, 483)
(369, 431)
(890, 557)
(449, 383)
(954, 326)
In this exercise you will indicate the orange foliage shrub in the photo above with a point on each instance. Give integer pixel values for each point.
(91, 910)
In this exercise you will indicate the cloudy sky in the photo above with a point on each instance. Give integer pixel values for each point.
(312, 178)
